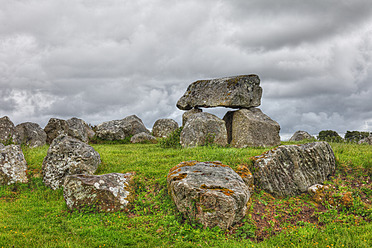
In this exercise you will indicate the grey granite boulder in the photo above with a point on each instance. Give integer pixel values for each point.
(121, 129)
(30, 134)
(162, 128)
(143, 138)
(189, 113)
(13, 165)
(209, 193)
(77, 128)
(251, 127)
(291, 169)
(202, 129)
(107, 193)
(300, 135)
(231, 92)
(7, 130)
(54, 128)
(68, 156)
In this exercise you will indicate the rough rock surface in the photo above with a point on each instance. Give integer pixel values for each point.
(77, 128)
(367, 140)
(1, 146)
(68, 156)
(7, 129)
(231, 92)
(251, 127)
(290, 170)
(203, 128)
(164, 127)
(107, 193)
(143, 137)
(30, 134)
(13, 165)
(189, 113)
(208, 192)
(300, 135)
(54, 128)
(247, 176)
(120, 129)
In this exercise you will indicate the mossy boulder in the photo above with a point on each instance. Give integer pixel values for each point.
(209, 193)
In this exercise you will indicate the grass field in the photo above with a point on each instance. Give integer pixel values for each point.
(32, 215)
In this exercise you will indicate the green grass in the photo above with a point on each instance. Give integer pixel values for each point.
(32, 215)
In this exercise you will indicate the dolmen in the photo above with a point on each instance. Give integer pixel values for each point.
(247, 126)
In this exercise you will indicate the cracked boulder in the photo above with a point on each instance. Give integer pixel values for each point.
(79, 129)
(188, 114)
(54, 128)
(291, 169)
(121, 129)
(30, 134)
(203, 129)
(13, 165)
(209, 193)
(230, 92)
(164, 127)
(68, 156)
(107, 193)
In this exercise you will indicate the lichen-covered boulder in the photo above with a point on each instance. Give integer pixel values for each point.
(300, 135)
(30, 134)
(189, 113)
(143, 138)
(209, 193)
(247, 176)
(7, 129)
(164, 127)
(251, 128)
(367, 140)
(121, 129)
(13, 165)
(231, 92)
(68, 156)
(54, 128)
(107, 193)
(202, 129)
(77, 128)
(291, 169)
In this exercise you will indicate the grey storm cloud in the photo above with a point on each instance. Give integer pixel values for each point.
(104, 60)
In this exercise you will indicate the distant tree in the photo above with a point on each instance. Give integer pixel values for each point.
(355, 136)
(330, 136)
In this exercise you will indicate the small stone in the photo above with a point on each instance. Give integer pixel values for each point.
(143, 138)
(107, 193)
(13, 165)
(164, 127)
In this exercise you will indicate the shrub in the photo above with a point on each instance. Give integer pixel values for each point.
(355, 136)
(329, 136)
(173, 140)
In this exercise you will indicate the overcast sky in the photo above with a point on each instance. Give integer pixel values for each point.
(104, 60)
